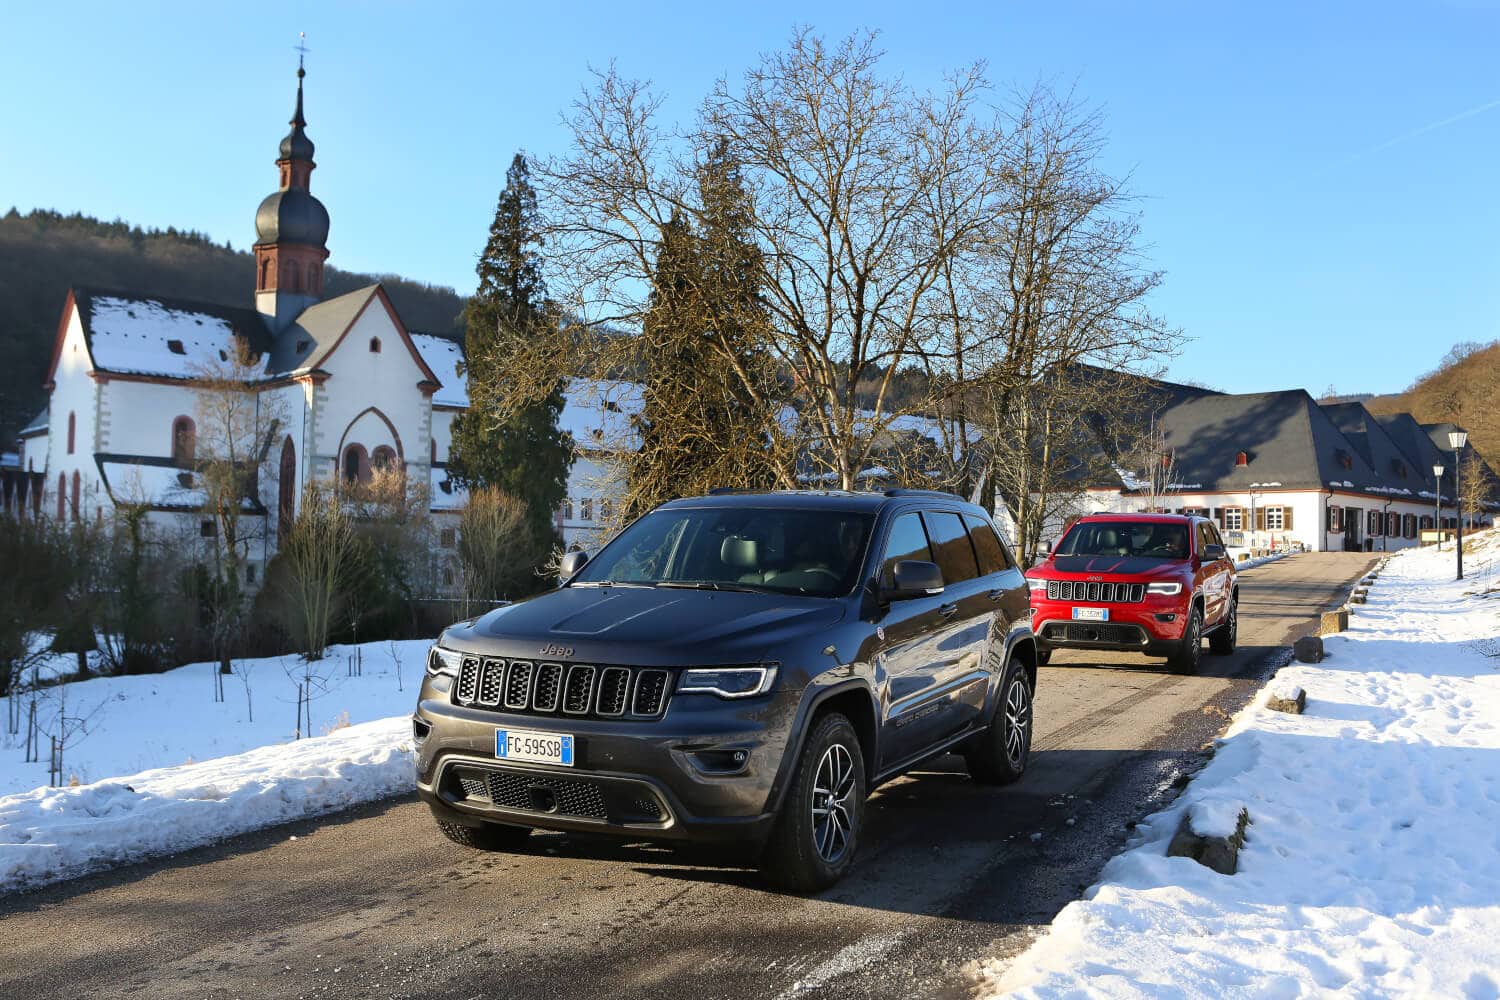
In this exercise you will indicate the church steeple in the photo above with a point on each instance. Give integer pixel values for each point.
(291, 229)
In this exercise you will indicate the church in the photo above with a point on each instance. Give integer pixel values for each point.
(352, 389)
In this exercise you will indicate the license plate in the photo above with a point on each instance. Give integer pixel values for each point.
(1091, 614)
(538, 748)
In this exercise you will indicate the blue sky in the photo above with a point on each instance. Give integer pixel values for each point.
(1323, 202)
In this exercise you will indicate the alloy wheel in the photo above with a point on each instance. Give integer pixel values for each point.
(1018, 721)
(832, 814)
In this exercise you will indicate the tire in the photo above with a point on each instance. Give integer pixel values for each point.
(1184, 659)
(1043, 657)
(812, 846)
(1224, 638)
(999, 757)
(487, 837)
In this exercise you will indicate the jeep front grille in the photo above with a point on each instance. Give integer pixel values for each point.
(1095, 593)
(578, 689)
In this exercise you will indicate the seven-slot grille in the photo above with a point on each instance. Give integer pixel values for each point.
(1095, 593)
(558, 689)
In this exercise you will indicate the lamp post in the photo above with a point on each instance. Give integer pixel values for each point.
(1437, 506)
(1458, 439)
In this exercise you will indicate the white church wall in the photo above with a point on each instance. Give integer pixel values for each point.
(75, 394)
(140, 416)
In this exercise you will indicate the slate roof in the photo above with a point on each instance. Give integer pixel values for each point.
(1375, 445)
(442, 356)
(156, 335)
(1413, 440)
(316, 330)
(37, 426)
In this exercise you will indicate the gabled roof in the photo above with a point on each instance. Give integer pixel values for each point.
(129, 333)
(1413, 440)
(1289, 442)
(37, 426)
(158, 482)
(306, 344)
(1379, 450)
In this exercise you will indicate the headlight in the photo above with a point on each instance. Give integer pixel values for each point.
(444, 662)
(1037, 585)
(728, 682)
(1164, 588)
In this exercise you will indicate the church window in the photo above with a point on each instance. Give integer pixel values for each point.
(72, 428)
(207, 528)
(184, 441)
(356, 464)
(433, 443)
(587, 505)
(265, 273)
(76, 500)
(448, 538)
(384, 458)
(374, 345)
(62, 496)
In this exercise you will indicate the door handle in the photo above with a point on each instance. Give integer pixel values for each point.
(996, 595)
(948, 610)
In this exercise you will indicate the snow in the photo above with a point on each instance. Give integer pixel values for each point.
(201, 770)
(158, 485)
(444, 493)
(442, 356)
(134, 335)
(1369, 865)
(598, 412)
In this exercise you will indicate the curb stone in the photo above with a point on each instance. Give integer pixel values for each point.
(1222, 854)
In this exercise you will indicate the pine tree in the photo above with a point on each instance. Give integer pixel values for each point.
(702, 424)
(519, 451)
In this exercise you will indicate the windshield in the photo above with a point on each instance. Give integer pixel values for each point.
(1140, 539)
(785, 550)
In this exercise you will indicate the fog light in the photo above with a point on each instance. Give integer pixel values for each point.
(1166, 618)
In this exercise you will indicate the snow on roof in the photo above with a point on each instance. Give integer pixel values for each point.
(147, 337)
(444, 493)
(598, 412)
(136, 481)
(10, 460)
(442, 356)
(37, 426)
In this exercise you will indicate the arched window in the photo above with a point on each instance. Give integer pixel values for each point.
(433, 443)
(384, 458)
(286, 485)
(374, 345)
(77, 503)
(265, 273)
(62, 496)
(72, 428)
(184, 441)
(356, 464)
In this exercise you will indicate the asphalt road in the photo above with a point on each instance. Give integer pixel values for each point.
(375, 903)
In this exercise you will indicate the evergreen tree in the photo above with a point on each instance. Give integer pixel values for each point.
(521, 451)
(702, 424)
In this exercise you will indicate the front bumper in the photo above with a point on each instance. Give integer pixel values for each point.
(675, 778)
(1144, 627)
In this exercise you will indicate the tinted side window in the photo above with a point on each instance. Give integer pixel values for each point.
(992, 555)
(950, 542)
(1204, 538)
(907, 541)
(1214, 536)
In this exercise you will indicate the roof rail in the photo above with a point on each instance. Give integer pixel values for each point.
(925, 493)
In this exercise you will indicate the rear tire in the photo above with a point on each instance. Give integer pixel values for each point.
(1224, 638)
(1184, 659)
(1000, 755)
(488, 837)
(817, 833)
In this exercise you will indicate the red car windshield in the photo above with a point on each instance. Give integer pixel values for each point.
(1139, 539)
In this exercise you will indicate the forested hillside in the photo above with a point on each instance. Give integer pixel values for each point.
(1463, 389)
(42, 253)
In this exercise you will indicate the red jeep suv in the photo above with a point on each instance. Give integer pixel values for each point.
(1148, 583)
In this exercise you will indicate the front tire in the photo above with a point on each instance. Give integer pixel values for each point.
(999, 758)
(1223, 641)
(487, 836)
(816, 836)
(1184, 659)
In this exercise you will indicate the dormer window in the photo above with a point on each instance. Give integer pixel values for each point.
(1344, 458)
(184, 441)
(374, 345)
(175, 346)
(303, 345)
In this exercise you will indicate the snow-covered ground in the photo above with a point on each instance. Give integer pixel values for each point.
(161, 767)
(1371, 865)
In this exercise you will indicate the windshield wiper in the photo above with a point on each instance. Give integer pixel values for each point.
(611, 583)
(711, 585)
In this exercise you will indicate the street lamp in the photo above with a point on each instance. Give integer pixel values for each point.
(1458, 439)
(1437, 506)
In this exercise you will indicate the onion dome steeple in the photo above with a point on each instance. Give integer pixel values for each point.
(291, 229)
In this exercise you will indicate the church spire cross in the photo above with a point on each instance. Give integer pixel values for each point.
(301, 50)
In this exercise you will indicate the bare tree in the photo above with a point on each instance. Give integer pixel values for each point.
(235, 422)
(319, 551)
(489, 545)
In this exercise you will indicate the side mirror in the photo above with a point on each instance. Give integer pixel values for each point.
(915, 578)
(571, 564)
(1213, 553)
(1047, 548)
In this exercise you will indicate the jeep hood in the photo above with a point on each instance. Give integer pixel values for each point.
(1115, 565)
(665, 626)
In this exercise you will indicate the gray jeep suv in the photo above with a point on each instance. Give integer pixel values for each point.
(736, 668)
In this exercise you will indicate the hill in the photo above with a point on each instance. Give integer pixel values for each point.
(1463, 389)
(42, 253)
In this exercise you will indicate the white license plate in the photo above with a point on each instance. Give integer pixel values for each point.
(538, 748)
(1091, 614)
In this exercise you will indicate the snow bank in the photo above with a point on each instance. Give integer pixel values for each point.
(1370, 862)
(51, 834)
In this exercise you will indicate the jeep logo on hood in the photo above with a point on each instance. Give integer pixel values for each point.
(552, 649)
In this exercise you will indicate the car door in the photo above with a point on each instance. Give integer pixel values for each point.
(1004, 585)
(1214, 574)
